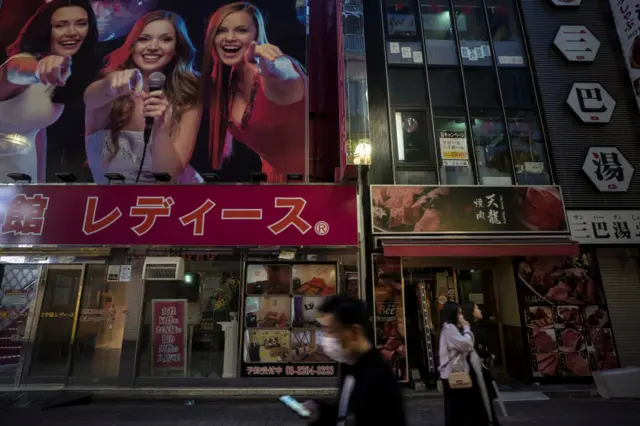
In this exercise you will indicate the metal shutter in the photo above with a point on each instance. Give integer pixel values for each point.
(620, 273)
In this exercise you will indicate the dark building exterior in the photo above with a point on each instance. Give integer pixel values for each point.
(475, 100)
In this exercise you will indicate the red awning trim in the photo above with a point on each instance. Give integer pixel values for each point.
(481, 248)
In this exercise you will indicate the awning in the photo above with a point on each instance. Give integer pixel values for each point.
(479, 248)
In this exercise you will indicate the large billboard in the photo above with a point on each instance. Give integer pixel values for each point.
(228, 93)
(627, 20)
(172, 215)
(417, 209)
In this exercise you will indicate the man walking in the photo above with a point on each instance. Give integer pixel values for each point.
(369, 392)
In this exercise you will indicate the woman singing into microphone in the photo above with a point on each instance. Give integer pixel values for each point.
(37, 82)
(256, 94)
(118, 104)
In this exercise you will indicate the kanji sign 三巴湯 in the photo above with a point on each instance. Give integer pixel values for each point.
(185, 215)
(605, 226)
(608, 169)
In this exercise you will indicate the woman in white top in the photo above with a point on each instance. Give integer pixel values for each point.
(117, 105)
(463, 407)
(36, 81)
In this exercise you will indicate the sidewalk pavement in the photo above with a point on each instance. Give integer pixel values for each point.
(421, 411)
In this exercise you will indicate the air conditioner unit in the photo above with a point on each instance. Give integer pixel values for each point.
(163, 269)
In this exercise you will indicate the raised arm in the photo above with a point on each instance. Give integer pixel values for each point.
(23, 70)
(282, 80)
(462, 342)
(101, 93)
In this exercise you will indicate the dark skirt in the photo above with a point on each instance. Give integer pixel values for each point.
(465, 407)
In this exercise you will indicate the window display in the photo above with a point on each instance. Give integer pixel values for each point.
(281, 336)
(390, 331)
(188, 340)
(566, 316)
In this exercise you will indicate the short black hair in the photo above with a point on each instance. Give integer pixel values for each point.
(346, 310)
(467, 312)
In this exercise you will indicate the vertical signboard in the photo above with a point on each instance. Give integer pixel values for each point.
(626, 14)
(389, 321)
(169, 336)
(66, 119)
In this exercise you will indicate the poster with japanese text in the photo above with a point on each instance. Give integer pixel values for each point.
(282, 335)
(389, 320)
(627, 21)
(565, 315)
(169, 333)
(416, 209)
(228, 94)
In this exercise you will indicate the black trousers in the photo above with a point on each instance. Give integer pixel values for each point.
(465, 407)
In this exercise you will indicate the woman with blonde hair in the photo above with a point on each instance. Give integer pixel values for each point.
(118, 104)
(256, 94)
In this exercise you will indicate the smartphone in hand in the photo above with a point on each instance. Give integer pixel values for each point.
(298, 408)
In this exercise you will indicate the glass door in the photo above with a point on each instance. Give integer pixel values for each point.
(476, 285)
(426, 291)
(55, 326)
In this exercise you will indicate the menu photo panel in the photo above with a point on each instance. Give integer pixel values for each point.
(389, 321)
(282, 336)
(566, 316)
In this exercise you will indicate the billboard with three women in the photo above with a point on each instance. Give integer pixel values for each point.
(112, 89)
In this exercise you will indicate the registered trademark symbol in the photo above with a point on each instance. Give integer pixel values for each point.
(321, 228)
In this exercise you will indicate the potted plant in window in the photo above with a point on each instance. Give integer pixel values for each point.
(226, 299)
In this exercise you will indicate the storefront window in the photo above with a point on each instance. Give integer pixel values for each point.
(506, 33)
(453, 146)
(492, 149)
(446, 88)
(17, 294)
(98, 341)
(475, 48)
(401, 20)
(51, 349)
(529, 150)
(281, 336)
(438, 32)
(565, 315)
(181, 334)
(412, 137)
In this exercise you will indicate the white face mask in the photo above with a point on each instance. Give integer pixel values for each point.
(333, 349)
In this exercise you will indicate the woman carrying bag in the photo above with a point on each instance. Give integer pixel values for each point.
(466, 399)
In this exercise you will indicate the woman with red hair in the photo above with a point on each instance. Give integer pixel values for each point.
(256, 94)
(119, 103)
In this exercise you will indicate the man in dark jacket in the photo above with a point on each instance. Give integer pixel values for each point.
(369, 392)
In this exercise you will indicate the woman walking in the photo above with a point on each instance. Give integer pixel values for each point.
(466, 400)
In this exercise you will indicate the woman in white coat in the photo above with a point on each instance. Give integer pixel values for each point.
(463, 407)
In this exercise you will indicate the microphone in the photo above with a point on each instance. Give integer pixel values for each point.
(156, 82)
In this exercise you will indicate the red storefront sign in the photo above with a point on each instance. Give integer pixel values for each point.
(169, 333)
(184, 215)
